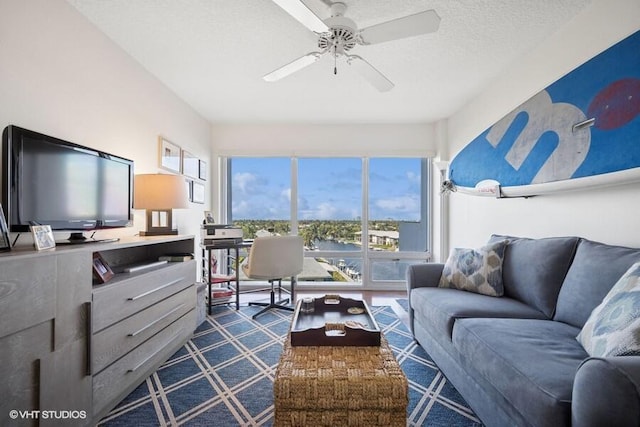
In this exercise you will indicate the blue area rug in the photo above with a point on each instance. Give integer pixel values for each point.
(224, 376)
(404, 303)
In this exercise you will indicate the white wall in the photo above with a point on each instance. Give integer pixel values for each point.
(607, 215)
(60, 76)
(324, 140)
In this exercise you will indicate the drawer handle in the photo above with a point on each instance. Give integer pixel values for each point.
(159, 288)
(159, 319)
(139, 365)
(89, 331)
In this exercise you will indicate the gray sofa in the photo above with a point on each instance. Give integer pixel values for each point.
(515, 358)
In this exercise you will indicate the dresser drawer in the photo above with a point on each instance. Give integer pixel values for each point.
(116, 301)
(120, 378)
(27, 293)
(116, 340)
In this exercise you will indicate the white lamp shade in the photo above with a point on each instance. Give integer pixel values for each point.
(159, 192)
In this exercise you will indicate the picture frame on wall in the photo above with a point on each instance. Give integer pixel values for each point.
(5, 242)
(101, 269)
(188, 182)
(202, 170)
(42, 237)
(170, 155)
(197, 192)
(189, 164)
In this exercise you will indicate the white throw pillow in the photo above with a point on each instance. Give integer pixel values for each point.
(613, 328)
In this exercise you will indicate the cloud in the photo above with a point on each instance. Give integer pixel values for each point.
(350, 178)
(241, 209)
(248, 183)
(326, 211)
(286, 194)
(401, 207)
(413, 177)
(303, 203)
(330, 211)
(322, 211)
(260, 208)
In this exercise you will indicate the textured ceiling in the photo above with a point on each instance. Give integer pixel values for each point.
(213, 53)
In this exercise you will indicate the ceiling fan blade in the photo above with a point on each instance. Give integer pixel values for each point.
(303, 14)
(373, 76)
(408, 26)
(292, 67)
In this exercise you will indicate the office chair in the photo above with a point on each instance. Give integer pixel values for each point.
(272, 258)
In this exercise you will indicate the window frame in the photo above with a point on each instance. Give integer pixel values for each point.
(368, 256)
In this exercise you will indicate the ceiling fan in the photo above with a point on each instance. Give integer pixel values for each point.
(337, 35)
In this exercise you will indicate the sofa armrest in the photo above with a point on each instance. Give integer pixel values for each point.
(421, 276)
(424, 275)
(606, 391)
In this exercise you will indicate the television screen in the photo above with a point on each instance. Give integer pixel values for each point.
(53, 182)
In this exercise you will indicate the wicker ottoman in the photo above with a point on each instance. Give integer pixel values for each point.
(339, 386)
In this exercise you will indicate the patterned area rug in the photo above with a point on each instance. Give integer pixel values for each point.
(404, 303)
(224, 376)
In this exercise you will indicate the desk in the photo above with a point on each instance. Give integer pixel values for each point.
(229, 246)
(235, 278)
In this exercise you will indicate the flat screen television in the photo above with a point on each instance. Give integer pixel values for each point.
(48, 181)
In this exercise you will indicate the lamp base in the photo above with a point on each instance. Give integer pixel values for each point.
(159, 223)
(159, 233)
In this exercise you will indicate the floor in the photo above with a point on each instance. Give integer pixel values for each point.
(372, 298)
(224, 374)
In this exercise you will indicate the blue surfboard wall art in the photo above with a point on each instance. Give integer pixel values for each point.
(583, 130)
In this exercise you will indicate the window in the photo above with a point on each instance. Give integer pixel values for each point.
(395, 205)
(329, 212)
(261, 195)
(363, 220)
(397, 216)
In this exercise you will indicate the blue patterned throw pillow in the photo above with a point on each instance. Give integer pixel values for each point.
(613, 328)
(475, 270)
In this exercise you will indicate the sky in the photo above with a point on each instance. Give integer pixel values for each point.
(328, 188)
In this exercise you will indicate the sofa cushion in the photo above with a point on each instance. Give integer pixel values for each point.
(437, 309)
(613, 329)
(596, 267)
(475, 270)
(531, 363)
(534, 269)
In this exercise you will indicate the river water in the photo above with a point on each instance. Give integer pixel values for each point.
(350, 266)
(383, 270)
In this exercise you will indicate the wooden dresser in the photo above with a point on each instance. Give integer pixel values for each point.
(68, 343)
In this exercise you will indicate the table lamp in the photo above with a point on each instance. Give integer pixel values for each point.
(159, 194)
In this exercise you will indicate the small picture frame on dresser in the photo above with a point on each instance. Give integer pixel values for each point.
(42, 237)
(101, 269)
(5, 242)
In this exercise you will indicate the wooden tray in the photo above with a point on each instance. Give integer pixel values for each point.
(335, 321)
